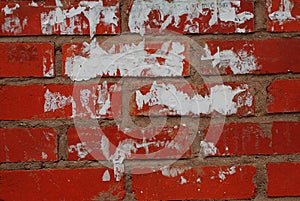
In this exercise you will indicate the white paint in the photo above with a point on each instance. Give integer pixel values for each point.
(182, 180)
(92, 10)
(48, 65)
(12, 25)
(208, 148)
(54, 101)
(173, 171)
(130, 60)
(80, 148)
(44, 156)
(106, 176)
(222, 174)
(87, 105)
(284, 13)
(239, 63)
(224, 10)
(104, 146)
(8, 11)
(179, 103)
(33, 4)
(198, 180)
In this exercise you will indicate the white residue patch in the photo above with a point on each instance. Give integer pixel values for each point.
(220, 99)
(92, 10)
(106, 176)
(33, 4)
(128, 60)
(284, 13)
(48, 64)
(13, 25)
(241, 62)
(80, 148)
(93, 102)
(173, 171)
(182, 180)
(222, 174)
(170, 13)
(208, 148)
(8, 11)
(44, 155)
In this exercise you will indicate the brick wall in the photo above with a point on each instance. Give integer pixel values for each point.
(199, 102)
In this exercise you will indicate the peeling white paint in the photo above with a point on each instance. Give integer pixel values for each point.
(92, 10)
(241, 62)
(208, 148)
(284, 13)
(8, 11)
(183, 180)
(130, 60)
(104, 146)
(222, 174)
(33, 4)
(106, 176)
(178, 102)
(93, 103)
(44, 156)
(48, 65)
(80, 148)
(12, 25)
(173, 171)
(224, 10)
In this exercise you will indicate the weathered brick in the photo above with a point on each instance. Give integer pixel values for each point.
(102, 143)
(27, 60)
(283, 179)
(268, 56)
(27, 144)
(139, 59)
(284, 96)
(191, 16)
(60, 101)
(60, 184)
(176, 99)
(283, 15)
(197, 183)
(236, 139)
(59, 17)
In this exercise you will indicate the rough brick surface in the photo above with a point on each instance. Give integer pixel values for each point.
(26, 60)
(266, 56)
(237, 139)
(102, 143)
(139, 59)
(60, 184)
(176, 99)
(191, 17)
(283, 179)
(283, 16)
(197, 183)
(59, 101)
(284, 96)
(59, 17)
(27, 144)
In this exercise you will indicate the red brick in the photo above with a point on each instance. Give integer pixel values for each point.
(101, 143)
(286, 138)
(210, 182)
(268, 56)
(282, 9)
(27, 144)
(26, 60)
(41, 20)
(283, 179)
(59, 184)
(183, 99)
(56, 101)
(186, 17)
(284, 96)
(237, 139)
(139, 59)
